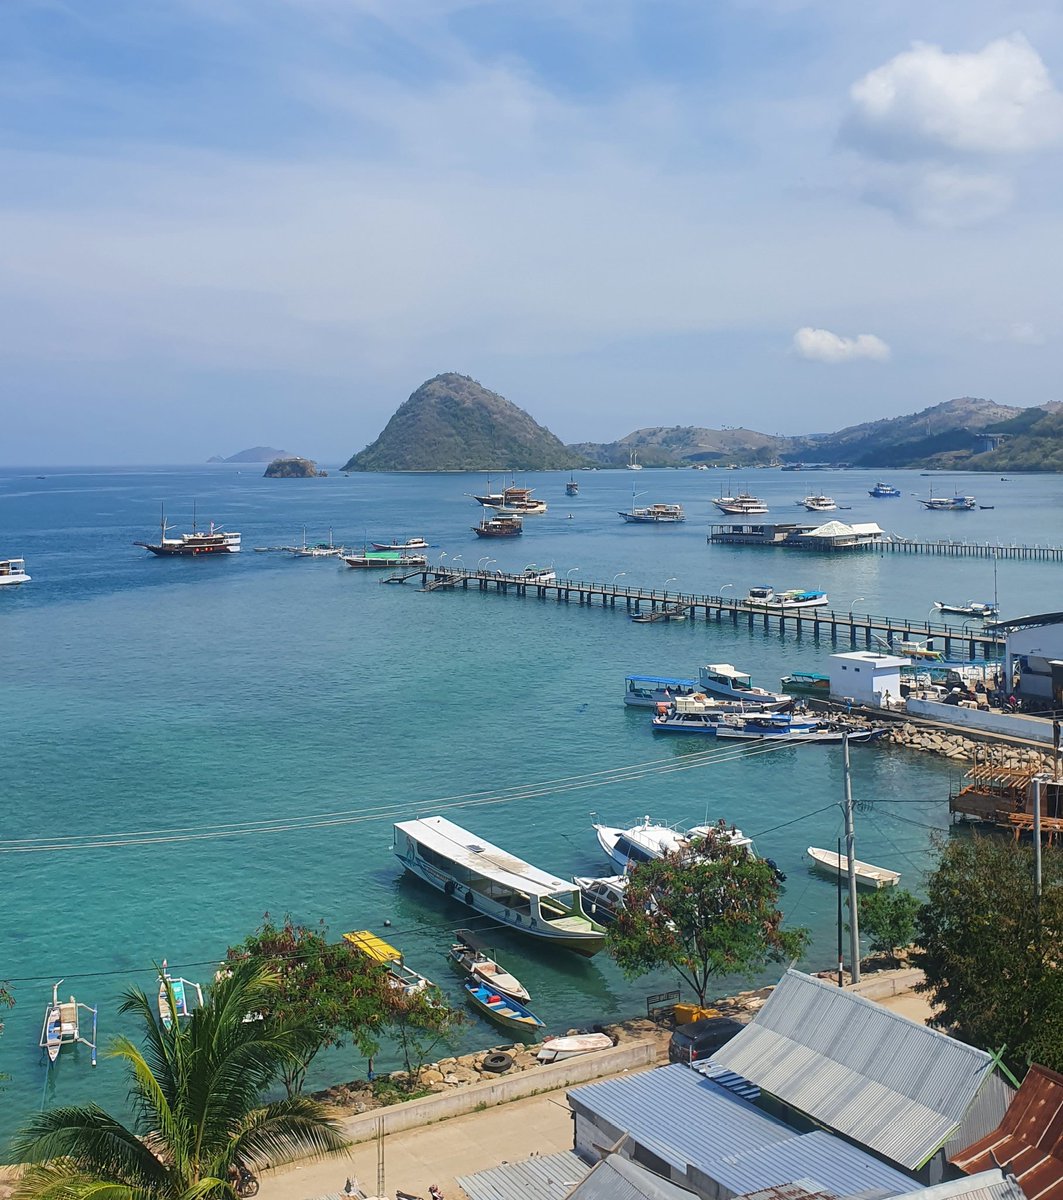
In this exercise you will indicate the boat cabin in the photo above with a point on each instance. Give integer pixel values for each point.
(647, 691)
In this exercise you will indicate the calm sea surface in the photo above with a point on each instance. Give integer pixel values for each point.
(142, 694)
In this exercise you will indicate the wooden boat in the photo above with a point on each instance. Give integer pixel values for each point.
(866, 875)
(62, 1025)
(414, 543)
(501, 1008)
(400, 976)
(499, 527)
(556, 1049)
(653, 514)
(187, 996)
(491, 881)
(212, 541)
(471, 955)
(385, 558)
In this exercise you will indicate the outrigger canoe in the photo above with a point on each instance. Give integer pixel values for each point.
(502, 1009)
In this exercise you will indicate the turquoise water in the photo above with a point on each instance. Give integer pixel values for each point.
(158, 695)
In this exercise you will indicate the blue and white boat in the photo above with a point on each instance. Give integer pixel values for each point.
(501, 1008)
(185, 995)
(764, 729)
(882, 490)
(765, 597)
(649, 691)
(690, 715)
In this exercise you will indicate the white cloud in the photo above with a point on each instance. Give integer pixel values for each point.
(820, 345)
(942, 197)
(925, 101)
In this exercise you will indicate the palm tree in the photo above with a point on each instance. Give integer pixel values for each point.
(197, 1096)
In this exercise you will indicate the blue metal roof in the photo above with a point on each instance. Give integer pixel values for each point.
(665, 679)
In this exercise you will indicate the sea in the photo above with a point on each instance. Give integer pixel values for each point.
(190, 744)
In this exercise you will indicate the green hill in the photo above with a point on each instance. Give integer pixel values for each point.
(453, 423)
(686, 445)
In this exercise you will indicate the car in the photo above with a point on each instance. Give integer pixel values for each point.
(700, 1039)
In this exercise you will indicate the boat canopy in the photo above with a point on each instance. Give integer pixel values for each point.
(373, 947)
(667, 680)
(466, 850)
(726, 671)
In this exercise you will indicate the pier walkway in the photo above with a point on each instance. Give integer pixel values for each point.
(884, 633)
(894, 544)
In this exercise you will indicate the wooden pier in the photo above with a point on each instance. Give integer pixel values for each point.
(892, 544)
(875, 632)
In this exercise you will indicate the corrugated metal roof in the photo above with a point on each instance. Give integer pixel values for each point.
(616, 1178)
(1029, 1138)
(800, 1189)
(884, 1081)
(645, 1105)
(544, 1177)
(989, 1185)
(834, 1164)
(726, 1078)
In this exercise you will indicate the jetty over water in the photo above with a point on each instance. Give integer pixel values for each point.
(882, 632)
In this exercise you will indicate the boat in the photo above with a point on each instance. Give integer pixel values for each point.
(633, 463)
(649, 691)
(318, 550)
(919, 650)
(213, 540)
(503, 1009)
(653, 514)
(556, 1049)
(499, 885)
(515, 500)
(498, 527)
(881, 490)
(987, 507)
(763, 596)
(367, 559)
(177, 997)
(603, 895)
(572, 488)
(414, 543)
(533, 574)
(13, 570)
(947, 503)
(62, 1025)
(721, 679)
(679, 613)
(819, 503)
(471, 954)
(770, 727)
(742, 505)
(866, 875)
(807, 682)
(649, 840)
(973, 608)
(400, 977)
(690, 715)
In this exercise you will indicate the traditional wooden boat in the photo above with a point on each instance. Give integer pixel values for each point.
(499, 527)
(866, 875)
(400, 976)
(556, 1049)
(177, 997)
(384, 558)
(62, 1025)
(471, 955)
(501, 1008)
(491, 881)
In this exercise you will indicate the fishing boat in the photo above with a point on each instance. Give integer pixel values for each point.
(649, 840)
(763, 596)
(819, 503)
(633, 463)
(497, 884)
(559, 1048)
(177, 997)
(317, 550)
(973, 608)
(603, 895)
(690, 716)
(473, 956)
(572, 488)
(400, 977)
(947, 503)
(763, 729)
(369, 559)
(883, 490)
(212, 540)
(806, 682)
(499, 527)
(653, 514)
(742, 505)
(677, 613)
(650, 691)
(867, 876)
(62, 1025)
(414, 543)
(13, 570)
(503, 1009)
(723, 680)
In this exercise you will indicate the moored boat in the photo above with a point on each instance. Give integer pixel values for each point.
(13, 570)
(650, 691)
(867, 875)
(723, 680)
(572, 488)
(649, 840)
(212, 540)
(414, 543)
(501, 1008)
(556, 1049)
(633, 463)
(947, 503)
(819, 503)
(763, 596)
(773, 728)
(498, 527)
(62, 1025)
(368, 559)
(653, 514)
(973, 608)
(177, 997)
(882, 490)
(534, 574)
(472, 955)
(400, 977)
(742, 505)
(603, 895)
(514, 501)
(497, 884)
(808, 682)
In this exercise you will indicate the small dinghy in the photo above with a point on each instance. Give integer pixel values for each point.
(556, 1049)
(866, 874)
(503, 1009)
(472, 956)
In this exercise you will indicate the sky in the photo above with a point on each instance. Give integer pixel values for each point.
(226, 223)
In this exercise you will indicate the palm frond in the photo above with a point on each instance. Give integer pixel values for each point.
(277, 1133)
(62, 1182)
(157, 1116)
(94, 1144)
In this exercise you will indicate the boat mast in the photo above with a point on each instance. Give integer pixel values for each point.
(850, 850)
(193, 516)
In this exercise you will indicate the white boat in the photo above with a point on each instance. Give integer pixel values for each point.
(603, 895)
(651, 691)
(470, 953)
(948, 503)
(866, 875)
(649, 840)
(819, 503)
(213, 540)
(414, 543)
(763, 596)
(491, 881)
(742, 505)
(400, 977)
(772, 728)
(62, 1025)
(723, 680)
(653, 514)
(513, 501)
(633, 463)
(556, 1049)
(13, 570)
(882, 490)
(318, 550)
(187, 996)
(973, 608)
(533, 574)
(690, 715)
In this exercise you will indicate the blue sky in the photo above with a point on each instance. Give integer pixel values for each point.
(232, 222)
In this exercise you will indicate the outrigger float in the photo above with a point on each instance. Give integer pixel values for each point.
(62, 1025)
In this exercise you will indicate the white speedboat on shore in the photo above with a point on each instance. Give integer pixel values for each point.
(649, 840)
(763, 596)
(13, 570)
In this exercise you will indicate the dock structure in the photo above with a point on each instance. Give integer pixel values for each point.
(887, 633)
(1006, 798)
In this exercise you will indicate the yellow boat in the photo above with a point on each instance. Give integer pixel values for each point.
(377, 950)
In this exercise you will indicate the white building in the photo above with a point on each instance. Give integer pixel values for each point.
(867, 678)
(1034, 656)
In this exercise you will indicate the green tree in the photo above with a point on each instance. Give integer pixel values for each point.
(888, 918)
(704, 911)
(990, 954)
(197, 1091)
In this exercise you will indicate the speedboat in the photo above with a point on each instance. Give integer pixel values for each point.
(653, 514)
(742, 505)
(603, 895)
(723, 680)
(13, 570)
(819, 503)
(701, 714)
(810, 682)
(648, 841)
(533, 574)
(866, 874)
(973, 608)
(763, 596)
(881, 490)
(384, 558)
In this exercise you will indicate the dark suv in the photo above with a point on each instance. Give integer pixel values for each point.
(699, 1039)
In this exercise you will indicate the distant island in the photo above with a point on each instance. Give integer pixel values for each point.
(257, 454)
(293, 468)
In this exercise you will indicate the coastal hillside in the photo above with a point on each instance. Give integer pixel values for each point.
(1032, 441)
(453, 423)
(292, 468)
(686, 445)
(257, 454)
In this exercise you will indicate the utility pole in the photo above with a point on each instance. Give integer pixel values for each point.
(1037, 844)
(850, 850)
(841, 954)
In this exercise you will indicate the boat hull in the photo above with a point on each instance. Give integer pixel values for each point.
(867, 876)
(500, 1008)
(186, 551)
